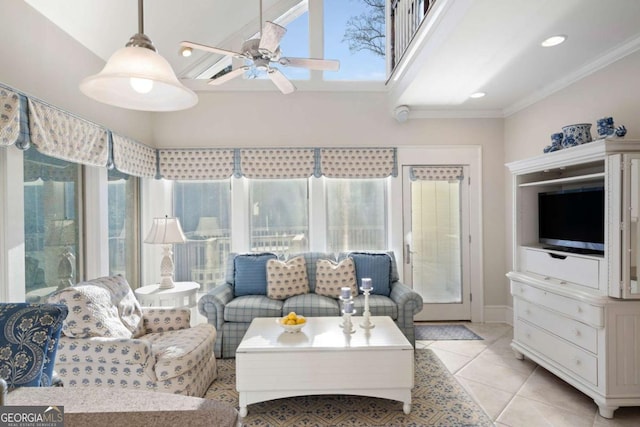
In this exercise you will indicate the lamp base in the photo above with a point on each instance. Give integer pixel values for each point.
(166, 269)
(65, 269)
(166, 283)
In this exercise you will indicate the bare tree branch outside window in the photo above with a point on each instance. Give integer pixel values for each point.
(366, 31)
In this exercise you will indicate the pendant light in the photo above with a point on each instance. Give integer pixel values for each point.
(138, 78)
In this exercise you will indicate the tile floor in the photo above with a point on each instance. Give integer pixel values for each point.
(519, 393)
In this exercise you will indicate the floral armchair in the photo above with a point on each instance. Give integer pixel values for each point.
(109, 340)
(29, 342)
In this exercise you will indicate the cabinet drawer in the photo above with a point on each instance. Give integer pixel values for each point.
(578, 310)
(569, 329)
(570, 268)
(576, 360)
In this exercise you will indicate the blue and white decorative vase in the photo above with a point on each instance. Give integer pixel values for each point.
(556, 143)
(605, 127)
(576, 134)
(621, 131)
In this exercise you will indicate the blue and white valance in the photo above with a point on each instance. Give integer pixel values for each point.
(196, 164)
(436, 173)
(284, 163)
(358, 162)
(134, 158)
(10, 115)
(59, 134)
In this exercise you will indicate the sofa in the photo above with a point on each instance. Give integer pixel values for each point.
(109, 340)
(261, 285)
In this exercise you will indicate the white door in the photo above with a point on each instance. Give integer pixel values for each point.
(436, 230)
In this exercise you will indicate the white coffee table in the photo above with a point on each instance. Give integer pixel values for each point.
(321, 359)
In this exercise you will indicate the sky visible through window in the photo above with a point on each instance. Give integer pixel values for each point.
(363, 65)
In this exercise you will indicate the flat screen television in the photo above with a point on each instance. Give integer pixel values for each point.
(572, 220)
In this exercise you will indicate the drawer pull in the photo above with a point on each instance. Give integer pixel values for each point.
(577, 361)
(576, 332)
(579, 309)
(557, 256)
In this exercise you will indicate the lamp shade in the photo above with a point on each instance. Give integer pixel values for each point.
(165, 231)
(207, 227)
(61, 232)
(138, 78)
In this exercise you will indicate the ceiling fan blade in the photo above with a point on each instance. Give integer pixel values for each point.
(271, 36)
(186, 44)
(311, 63)
(281, 81)
(230, 75)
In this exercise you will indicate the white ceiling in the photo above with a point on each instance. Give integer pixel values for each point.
(470, 45)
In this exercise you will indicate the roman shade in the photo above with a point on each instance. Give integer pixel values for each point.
(196, 164)
(436, 173)
(10, 117)
(277, 163)
(60, 134)
(134, 158)
(358, 162)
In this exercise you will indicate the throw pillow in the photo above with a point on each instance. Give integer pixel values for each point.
(251, 274)
(287, 278)
(377, 267)
(91, 313)
(331, 276)
(129, 309)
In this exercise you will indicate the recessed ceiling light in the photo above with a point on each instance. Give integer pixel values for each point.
(477, 95)
(553, 41)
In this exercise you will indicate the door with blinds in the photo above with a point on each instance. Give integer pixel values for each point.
(436, 238)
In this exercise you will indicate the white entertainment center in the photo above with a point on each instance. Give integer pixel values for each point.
(577, 314)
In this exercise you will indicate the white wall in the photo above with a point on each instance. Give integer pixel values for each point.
(613, 91)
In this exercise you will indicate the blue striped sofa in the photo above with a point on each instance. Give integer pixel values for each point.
(232, 315)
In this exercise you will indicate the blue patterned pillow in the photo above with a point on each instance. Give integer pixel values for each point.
(375, 266)
(251, 274)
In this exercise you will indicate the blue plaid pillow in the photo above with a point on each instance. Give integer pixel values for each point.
(377, 267)
(251, 274)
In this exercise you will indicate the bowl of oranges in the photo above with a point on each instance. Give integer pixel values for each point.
(292, 322)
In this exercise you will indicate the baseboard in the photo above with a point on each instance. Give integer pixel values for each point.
(498, 314)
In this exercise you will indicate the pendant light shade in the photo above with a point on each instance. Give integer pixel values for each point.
(138, 78)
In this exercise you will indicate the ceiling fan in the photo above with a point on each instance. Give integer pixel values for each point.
(262, 52)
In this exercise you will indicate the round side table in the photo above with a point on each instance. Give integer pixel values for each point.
(182, 295)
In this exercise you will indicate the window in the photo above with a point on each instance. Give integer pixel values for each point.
(354, 33)
(51, 224)
(203, 210)
(356, 214)
(123, 226)
(279, 215)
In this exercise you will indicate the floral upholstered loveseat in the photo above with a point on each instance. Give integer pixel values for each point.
(260, 285)
(109, 340)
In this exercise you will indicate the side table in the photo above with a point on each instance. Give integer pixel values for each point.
(153, 296)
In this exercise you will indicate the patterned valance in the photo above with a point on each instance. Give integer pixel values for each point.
(358, 162)
(277, 163)
(9, 117)
(436, 173)
(134, 158)
(195, 164)
(59, 134)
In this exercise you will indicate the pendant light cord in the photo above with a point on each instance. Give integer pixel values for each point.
(259, 23)
(141, 17)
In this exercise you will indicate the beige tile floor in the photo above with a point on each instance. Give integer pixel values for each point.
(519, 393)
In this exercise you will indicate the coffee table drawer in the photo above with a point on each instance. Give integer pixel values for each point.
(324, 370)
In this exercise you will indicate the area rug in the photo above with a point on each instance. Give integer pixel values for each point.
(437, 400)
(445, 332)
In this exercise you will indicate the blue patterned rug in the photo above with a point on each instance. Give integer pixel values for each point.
(437, 400)
(444, 332)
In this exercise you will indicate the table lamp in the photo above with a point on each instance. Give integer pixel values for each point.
(62, 232)
(166, 231)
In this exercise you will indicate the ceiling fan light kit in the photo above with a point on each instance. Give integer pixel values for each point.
(262, 52)
(138, 78)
